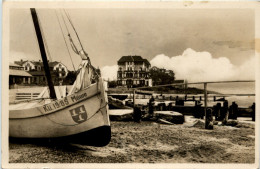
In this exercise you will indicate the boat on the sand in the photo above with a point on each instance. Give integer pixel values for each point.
(78, 116)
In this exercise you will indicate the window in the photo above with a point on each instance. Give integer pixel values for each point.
(120, 75)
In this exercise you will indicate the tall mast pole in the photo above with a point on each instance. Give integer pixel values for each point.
(43, 53)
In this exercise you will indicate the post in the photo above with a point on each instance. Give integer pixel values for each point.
(134, 98)
(205, 102)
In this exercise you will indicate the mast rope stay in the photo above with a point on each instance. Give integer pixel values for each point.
(70, 21)
(47, 49)
(44, 38)
(65, 39)
(81, 52)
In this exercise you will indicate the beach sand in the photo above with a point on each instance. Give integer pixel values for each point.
(150, 142)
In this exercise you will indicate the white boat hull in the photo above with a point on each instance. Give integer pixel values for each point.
(81, 117)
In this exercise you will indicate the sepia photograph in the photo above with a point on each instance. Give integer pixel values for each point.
(158, 83)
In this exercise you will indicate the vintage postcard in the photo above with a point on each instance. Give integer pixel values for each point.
(130, 84)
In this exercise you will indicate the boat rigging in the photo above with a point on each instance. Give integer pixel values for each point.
(81, 116)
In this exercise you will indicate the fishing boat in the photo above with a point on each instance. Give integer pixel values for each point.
(80, 116)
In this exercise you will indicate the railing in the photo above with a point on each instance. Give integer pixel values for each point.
(205, 90)
(26, 96)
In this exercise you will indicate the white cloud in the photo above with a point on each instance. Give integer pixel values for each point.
(17, 56)
(196, 67)
(109, 72)
(201, 66)
(246, 70)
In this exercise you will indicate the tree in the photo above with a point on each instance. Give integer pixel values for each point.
(70, 78)
(112, 84)
(160, 77)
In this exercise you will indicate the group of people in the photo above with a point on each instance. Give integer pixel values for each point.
(138, 113)
(221, 113)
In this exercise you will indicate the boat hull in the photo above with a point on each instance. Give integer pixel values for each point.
(80, 118)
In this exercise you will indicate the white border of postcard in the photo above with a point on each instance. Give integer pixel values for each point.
(117, 4)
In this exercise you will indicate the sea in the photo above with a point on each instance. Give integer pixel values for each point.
(243, 93)
(236, 90)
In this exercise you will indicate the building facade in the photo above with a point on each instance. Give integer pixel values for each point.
(17, 75)
(35, 68)
(133, 71)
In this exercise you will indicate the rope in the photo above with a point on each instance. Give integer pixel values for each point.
(35, 37)
(62, 124)
(65, 40)
(89, 62)
(44, 39)
(65, 23)
(73, 28)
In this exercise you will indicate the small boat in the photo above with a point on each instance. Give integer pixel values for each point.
(81, 116)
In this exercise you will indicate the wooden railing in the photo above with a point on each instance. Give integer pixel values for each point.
(26, 96)
(205, 90)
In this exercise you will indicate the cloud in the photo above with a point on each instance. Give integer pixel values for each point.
(201, 66)
(243, 45)
(109, 72)
(246, 70)
(17, 56)
(196, 67)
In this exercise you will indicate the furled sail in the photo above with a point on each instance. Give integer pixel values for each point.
(85, 77)
(87, 73)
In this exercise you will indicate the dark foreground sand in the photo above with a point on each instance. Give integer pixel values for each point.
(150, 142)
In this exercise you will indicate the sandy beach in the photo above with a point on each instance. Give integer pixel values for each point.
(151, 142)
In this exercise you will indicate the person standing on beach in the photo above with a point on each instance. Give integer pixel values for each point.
(197, 109)
(137, 114)
(217, 113)
(233, 110)
(224, 110)
(151, 105)
(253, 112)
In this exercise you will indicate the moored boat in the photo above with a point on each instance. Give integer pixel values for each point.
(81, 116)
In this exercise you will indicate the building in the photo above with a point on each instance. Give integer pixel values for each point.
(17, 75)
(133, 71)
(35, 68)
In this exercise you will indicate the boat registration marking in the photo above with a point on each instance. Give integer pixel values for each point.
(58, 104)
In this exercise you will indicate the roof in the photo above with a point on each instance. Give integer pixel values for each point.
(14, 72)
(14, 65)
(41, 73)
(19, 62)
(146, 61)
(37, 73)
(37, 63)
(132, 59)
(52, 64)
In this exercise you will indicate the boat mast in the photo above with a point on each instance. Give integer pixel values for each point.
(43, 53)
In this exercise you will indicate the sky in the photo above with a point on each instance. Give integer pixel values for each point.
(197, 44)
